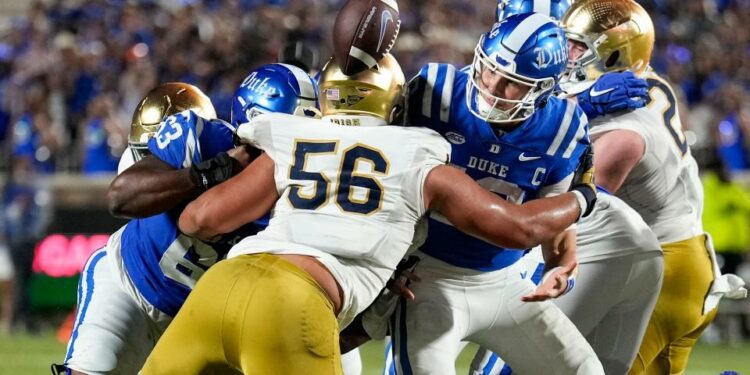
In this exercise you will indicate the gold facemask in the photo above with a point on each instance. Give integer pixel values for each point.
(374, 92)
(164, 100)
(619, 35)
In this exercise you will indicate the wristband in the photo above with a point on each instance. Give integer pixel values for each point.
(586, 199)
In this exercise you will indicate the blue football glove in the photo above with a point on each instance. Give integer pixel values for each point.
(613, 92)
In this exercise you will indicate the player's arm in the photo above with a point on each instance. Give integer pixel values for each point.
(617, 153)
(474, 210)
(560, 250)
(225, 207)
(148, 187)
(151, 186)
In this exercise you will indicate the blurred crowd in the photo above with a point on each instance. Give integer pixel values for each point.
(72, 72)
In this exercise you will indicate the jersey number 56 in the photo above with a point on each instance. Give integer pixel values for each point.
(348, 180)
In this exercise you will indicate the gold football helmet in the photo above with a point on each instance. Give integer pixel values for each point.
(375, 92)
(619, 35)
(164, 100)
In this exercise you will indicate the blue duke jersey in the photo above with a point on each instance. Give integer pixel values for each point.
(536, 159)
(162, 263)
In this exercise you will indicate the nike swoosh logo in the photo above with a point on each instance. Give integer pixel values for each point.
(523, 157)
(523, 274)
(597, 93)
(384, 18)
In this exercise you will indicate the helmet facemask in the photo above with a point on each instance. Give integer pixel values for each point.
(489, 110)
(164, 100)
(618, 35)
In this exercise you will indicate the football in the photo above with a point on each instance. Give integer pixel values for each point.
(364, 31)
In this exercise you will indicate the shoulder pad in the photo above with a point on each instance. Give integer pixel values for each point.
(430, 94)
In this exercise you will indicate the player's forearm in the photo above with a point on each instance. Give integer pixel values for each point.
(141, 193)
(561, 250)
(543, 219)
(225, 207)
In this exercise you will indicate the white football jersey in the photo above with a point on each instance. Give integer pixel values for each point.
(664, 187)
(349, 195)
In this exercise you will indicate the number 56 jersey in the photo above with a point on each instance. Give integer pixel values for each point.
(664, 187)
(349, 196)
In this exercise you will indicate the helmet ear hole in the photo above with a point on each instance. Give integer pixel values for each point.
(612, 59)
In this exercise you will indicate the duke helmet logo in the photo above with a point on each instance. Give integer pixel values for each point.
(544, 58)
(455, 138)
(495, 30)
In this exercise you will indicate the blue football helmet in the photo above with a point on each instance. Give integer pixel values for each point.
(528, 50)
(275, 88)
(554, 9)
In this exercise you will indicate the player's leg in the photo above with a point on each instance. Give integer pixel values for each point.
(427, 332)
(529, 267)
(678, 318)
(257, 313)
(627, 288)
(288, 326)
(351, 362)
(111, 334)
(536, 337)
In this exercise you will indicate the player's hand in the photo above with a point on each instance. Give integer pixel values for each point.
(403, 276)
(555, 283)
(583, 181)
(613, 92)
(243, 154)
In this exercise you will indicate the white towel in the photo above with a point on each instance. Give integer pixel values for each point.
(728, 285)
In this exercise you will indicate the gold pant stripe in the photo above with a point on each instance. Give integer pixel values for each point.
(678, 318)
(256, 313)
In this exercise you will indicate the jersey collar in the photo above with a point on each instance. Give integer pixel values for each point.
(355, 120)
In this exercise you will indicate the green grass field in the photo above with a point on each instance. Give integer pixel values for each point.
(29, 355)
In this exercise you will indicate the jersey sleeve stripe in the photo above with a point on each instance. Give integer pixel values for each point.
(563, 129)
(198, 126)
(189, 149)
(432, 71)
(524, 30)
(580, 132)
(543, 6)
(445, 99)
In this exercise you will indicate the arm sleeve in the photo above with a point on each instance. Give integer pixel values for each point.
(432, 150)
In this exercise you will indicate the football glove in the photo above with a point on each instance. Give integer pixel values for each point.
(583, 182)
(612, 92)
(212, 172)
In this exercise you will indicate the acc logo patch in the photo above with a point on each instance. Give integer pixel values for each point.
(455, 138)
